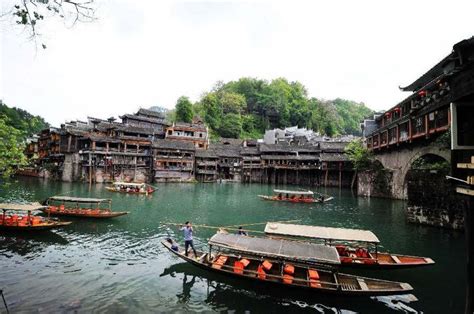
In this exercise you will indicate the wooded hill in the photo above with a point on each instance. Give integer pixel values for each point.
(21, 120)
(247, 107)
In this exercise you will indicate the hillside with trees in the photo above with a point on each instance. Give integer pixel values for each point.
(247, 107)
(15, 125)
(21, 120)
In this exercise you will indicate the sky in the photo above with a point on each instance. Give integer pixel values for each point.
(149, 53)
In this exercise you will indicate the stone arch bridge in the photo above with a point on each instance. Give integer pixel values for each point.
(398, 162)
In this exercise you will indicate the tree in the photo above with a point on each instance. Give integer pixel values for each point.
(231, 126)
(184, 110)
(360, 156)
(32, 13)
(11, 148)
(212, 112)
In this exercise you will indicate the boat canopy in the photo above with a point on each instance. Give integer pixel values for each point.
(21, 207)
(128, 183)
(294, 250)
(326, 233)
(78, 199)
(293, 192)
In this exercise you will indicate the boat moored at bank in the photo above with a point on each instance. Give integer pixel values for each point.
(276, 267)
(23, 217)
(356, 248)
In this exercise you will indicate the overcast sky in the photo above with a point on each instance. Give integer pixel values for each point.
(145, 53)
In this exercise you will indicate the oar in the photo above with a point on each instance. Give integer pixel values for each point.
(211, 227)
(261, 223)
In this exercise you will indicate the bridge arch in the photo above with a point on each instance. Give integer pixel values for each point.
(400, 162)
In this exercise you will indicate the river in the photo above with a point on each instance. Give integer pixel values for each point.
(119, 265)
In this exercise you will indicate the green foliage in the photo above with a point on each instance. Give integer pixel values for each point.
(360, 156)
(430, 162)
(279, 103)
(26, 123)
(184, 110)
(11, 148)
(231, 125)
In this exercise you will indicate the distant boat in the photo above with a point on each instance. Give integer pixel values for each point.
(81, 207)
(131, 188)
(22, 217)
(296, 197)
(352, 246)
(276, 268)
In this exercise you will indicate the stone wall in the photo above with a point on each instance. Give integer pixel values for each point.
(432, 200)
(375, 183)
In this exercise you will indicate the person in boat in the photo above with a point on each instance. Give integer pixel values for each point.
(187, 228)
(321, 198)
(174, 245)
(241, 231)
(280, 196)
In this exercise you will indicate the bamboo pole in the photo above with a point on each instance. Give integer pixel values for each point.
(260, 223)
(210, 227)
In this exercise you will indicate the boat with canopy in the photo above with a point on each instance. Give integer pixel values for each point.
(357, 248)
(131, 188)
(22, 217)
(262, 260)
(81, 207)
(296, 196)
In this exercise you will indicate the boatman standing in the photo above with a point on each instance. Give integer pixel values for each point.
(188, 238)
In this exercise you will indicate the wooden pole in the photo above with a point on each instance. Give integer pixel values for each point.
(470, 254)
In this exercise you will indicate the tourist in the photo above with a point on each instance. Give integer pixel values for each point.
(242, 231)
(188, 238)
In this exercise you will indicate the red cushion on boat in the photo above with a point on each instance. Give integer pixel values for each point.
(245, 262)
(288, 279)
(289, 269)
(313, 274)
(219, 262)
(267, 265)
(238, 267)
(346, 260)
(370, 261)
(261, 273)
(314, 283)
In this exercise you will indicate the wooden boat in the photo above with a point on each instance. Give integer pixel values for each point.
(80, 207)
(296, 197)
(28, 221)
(131, 188)
(278, 271)
(356, 248)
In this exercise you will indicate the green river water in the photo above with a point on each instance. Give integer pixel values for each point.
(119, 265)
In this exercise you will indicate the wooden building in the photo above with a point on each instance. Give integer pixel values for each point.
(173, 161)
(195, 133)
(206, 165)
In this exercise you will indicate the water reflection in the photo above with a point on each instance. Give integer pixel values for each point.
(25, 244)
(241, 295)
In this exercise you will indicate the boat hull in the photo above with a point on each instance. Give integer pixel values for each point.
(32, 228)
(289, 200)
(111, 189)
(83, 214)
(387, 261)
(340, 289)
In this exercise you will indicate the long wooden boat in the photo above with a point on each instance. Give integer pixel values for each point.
(296, 197)
(80, 207)
(286, 274)
(131, 188)
(22, 217)
(356, 248)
